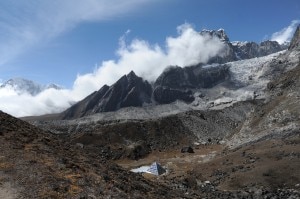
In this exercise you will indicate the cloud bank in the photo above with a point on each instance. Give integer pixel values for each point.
(145, 59)
(286, 34)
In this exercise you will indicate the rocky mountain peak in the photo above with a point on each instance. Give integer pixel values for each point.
(238, 50)
(129, 90)
(132, 75)
(221, 34)
(295, 43)
(54, 86)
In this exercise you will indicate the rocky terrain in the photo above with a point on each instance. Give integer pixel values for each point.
(38, 164)
(241, 119)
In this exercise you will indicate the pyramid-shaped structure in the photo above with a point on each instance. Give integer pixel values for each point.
(156, 169)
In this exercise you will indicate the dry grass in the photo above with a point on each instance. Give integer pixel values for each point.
(73, 178)
(75, 189)
(48, 161)
(29, 147)
(6, 166)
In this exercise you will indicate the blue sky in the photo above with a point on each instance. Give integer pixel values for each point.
(60, 43)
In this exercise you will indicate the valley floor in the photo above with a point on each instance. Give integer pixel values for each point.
(265, 168)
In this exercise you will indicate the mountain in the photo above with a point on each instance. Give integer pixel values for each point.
(21, 85)
(241, 50)
(129, 90)
(175, 83)
(178, 83)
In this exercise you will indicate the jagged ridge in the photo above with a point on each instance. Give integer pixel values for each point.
(129, 90)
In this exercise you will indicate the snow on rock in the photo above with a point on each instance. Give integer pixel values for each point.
(142, 169)
(249, 71)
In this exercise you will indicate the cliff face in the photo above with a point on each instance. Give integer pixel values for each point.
(248, 50)
(178, 83)
(295, 43)
(241, 50)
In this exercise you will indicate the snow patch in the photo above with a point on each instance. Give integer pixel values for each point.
(142, 169)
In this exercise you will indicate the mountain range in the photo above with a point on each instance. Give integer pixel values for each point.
(175, 83)
(21, 85)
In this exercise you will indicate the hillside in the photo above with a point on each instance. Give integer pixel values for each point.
(38, 164)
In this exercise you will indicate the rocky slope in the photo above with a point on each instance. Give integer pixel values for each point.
(38, 164)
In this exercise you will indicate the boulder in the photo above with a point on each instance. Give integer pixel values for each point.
(187, 149)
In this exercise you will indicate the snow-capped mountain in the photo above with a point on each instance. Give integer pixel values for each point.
(238, 50)
(221, 34)
(235, 73)
(21, 86)
(183, 83)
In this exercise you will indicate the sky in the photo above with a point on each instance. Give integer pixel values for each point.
(83, 44)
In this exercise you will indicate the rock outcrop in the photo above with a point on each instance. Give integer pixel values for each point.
(248, 50)
(178, 83)
(241, 50)
(295, 43)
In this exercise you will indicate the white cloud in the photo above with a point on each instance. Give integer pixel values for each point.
(286, 33)
(26, 24)
(145, 59)
(149, 60)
